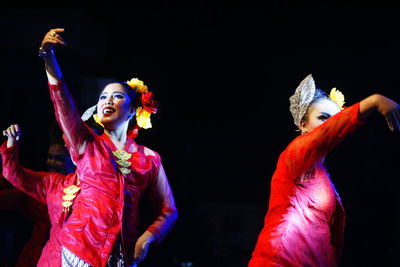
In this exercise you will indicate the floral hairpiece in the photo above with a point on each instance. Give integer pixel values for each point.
(337, 97)
(137, 85)
(304, 95)
(143, 112)
(149, 104)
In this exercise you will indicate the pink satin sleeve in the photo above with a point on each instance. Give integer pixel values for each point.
(306, 149)
(33, 183)
(76, 133)
(162, 200)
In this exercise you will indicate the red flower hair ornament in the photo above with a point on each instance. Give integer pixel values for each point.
(143, 112)
(148, 103)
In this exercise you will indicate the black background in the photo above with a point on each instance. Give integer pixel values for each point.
(223, 78)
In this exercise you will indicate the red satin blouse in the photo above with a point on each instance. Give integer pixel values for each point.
(46, 187)
(305, 221)
(107, 205)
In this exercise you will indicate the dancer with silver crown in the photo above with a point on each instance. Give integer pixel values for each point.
(305, 221)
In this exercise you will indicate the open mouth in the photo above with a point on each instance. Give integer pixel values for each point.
(108, 110)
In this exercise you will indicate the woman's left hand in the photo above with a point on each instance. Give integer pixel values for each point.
(391, 111)
(141, 246)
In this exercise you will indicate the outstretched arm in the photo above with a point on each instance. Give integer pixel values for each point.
(307, 148)
(385, 106)
(76, 134)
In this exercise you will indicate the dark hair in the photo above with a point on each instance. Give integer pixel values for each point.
(318, 96)
(135, 102)
(135, 97)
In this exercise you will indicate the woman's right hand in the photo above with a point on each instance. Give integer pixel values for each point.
(13, 133)
(51, 39)
(385, 106)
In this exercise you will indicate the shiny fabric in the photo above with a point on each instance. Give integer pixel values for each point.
(108, 203)
(46, 187)
(305, 221)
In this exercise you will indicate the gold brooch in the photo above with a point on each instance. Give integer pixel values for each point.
(122, 161)
(70, 195)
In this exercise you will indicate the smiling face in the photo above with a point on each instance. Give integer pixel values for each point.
(114, 107)
(318, 113)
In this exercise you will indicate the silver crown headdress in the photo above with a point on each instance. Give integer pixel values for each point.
(300, 101)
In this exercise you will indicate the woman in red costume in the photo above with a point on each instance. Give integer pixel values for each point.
(305, 221)
(38, 193)
(11, 198)
(99, 206)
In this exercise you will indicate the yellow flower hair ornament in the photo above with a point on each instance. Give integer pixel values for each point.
(137, 85)
(337, 97)
(143, 118)
(149, 104)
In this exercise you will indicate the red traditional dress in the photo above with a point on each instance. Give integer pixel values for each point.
(305, 221)
(107, 205)
(46, 187)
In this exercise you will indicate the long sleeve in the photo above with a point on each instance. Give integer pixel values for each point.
(162, 200)
(76, 133)
(308, 148)
(31, 182)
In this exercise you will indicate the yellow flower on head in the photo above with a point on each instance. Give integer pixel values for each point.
(137, 85)
(143, 118)
(337, 97)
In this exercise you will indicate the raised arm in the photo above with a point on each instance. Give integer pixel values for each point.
(76, 134)
(32, 183)
(305, 150)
